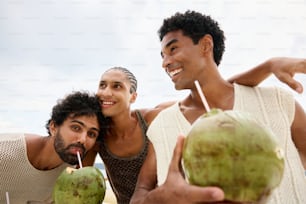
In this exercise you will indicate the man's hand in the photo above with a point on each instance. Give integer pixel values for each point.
(178, 191)
(285, 69)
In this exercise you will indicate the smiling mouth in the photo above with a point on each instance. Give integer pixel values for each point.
(108, 103)
(174, 72)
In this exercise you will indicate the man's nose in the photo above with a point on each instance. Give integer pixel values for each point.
(167, 60)
(82, 137)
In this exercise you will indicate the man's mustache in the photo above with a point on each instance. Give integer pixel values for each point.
(78, 145)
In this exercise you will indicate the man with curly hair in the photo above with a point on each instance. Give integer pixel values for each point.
(30, 164)
(192, 45)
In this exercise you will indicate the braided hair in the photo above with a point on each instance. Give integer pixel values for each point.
(129, 75)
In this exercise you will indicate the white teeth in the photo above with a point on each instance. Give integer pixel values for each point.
(174, 72)
(108, 103)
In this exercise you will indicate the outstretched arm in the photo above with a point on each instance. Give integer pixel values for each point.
(282, 67)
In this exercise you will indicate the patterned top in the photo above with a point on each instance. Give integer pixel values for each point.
(123, 171)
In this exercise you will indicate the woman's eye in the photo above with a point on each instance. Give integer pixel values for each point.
(93, 134)
(117, 86)
(102, 86)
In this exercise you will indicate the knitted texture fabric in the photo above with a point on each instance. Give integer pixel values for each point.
(18, 177)
(272, 107)
(123, 172)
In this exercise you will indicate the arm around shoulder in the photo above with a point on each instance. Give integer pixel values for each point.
(150, 114)
(283, 68)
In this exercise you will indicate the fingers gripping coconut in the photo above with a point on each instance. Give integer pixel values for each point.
(79, 186)
(229, 149)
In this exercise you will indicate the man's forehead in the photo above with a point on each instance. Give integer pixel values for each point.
(171, 36)
(74, 117)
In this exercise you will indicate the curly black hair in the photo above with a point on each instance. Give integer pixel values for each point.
(78, 104)
(195, 25)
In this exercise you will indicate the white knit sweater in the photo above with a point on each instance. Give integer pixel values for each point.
(272, 107)
(18, 177)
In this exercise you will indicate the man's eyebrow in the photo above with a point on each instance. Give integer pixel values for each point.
(82, 124)
(169, 44)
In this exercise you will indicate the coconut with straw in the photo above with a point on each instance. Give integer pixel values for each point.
(85, 185)
(229, 149)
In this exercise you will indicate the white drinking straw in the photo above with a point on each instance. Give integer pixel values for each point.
(79, 158)
(7, 198)
(204, 101)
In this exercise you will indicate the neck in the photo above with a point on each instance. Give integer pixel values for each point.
(218, 94)
(123, 126)
(41, 152)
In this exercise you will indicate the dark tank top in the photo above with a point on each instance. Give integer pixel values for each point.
(123, 172)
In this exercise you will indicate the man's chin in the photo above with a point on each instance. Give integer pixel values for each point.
(73, 163)
(71, 159)
(178, 88)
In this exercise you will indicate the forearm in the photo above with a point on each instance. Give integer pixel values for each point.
(254, 76)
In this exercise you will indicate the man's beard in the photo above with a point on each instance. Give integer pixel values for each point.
(63, 151)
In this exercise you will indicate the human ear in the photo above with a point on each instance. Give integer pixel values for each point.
(133, 97)
(52, 128)
(206, 43)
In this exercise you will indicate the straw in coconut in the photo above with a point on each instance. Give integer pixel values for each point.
(79, 158)
(204, 101)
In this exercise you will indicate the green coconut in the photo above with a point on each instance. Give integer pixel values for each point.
(79, 186)
(229, 149)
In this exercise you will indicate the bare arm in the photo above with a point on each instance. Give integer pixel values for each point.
(90, 157)
(283, 68)
(150, 114)
(147, 178)
(175, 189)
(298, 130)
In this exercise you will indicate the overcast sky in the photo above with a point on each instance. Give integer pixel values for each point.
(49, 48)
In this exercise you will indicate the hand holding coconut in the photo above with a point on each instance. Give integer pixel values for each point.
(229, 149)
(182, 192)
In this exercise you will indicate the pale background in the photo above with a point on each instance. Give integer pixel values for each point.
(49, 48)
